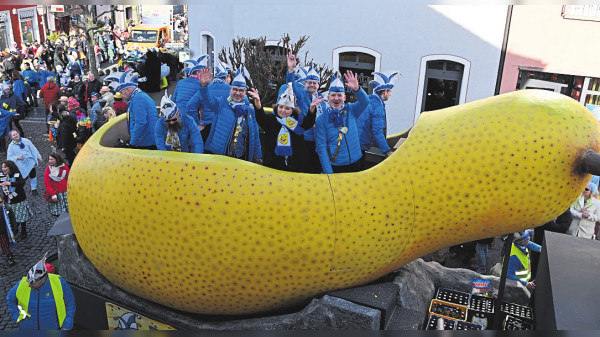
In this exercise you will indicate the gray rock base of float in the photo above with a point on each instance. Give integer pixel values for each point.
(415, 284)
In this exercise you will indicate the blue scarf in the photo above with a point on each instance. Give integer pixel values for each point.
(239, 109)
(336, 115)
(21, 145)
(284, 139)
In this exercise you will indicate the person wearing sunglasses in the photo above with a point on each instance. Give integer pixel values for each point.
(175, 131)
(586, 212)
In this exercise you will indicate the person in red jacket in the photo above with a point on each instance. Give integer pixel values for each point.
(55, 180)
(50, 92)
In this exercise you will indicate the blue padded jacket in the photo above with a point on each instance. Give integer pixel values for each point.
(304, 98)
(189, 137)
(142, 116)
(218, 88)
(326, 135)
(224, 123)
(42, 307)
(372, 124)
(185, 89)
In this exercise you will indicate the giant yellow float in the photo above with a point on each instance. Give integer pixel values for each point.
(215, 235)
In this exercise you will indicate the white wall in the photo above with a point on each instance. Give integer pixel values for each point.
(402, 34)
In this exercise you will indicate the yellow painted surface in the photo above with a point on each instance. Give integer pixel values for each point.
(215, 235)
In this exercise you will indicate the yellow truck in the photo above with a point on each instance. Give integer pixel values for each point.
(144, 37)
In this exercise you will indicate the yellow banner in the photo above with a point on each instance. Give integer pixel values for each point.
(125, 319)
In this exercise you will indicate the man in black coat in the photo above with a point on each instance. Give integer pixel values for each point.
(64, 136)
(93, 85)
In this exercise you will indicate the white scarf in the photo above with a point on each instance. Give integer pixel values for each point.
(54, 172)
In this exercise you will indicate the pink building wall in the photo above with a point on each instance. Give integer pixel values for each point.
(540, 38)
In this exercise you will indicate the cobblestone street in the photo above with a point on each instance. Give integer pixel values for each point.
(31, 250)
(27, 252)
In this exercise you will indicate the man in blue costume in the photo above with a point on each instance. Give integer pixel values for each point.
(336, 131)
(310, 78)
(141, 113)
(41, 301)
(202, 113)
(373, 122)
(234, 131)
(187, 87)
(175, 131)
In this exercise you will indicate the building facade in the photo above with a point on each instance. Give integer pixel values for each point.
(20, 23)
(553, 48)
(451, 51)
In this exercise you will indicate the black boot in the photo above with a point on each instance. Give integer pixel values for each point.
(15, 228)
(23, 230)
(11, 260)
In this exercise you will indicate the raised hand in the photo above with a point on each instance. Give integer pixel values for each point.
(205, 76)
(291, 62)
(351, 80)
(254, 94)
(315, 103)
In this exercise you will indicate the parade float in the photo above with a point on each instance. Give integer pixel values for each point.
(214, 235)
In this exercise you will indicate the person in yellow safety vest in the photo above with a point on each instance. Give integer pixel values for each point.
(519, 268)
(41, 301)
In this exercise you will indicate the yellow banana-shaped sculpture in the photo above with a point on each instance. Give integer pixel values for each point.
(215, 235)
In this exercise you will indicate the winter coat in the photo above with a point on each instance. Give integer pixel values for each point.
(218, 88)
(64, 134)
(31, 76)
(5, 116)
(373, 124)
(299, 161)
(581, 227)
(13, 102)
(56, 187)
(50, 92)
(44, 76)
(224, 123)
(93, 86)
(18, 183)
(185, 89)
(189, 136)
(110, 99)
(142, 119)
(29, 152)
(303, 98)
(120, 107)
(78, 90)
(514, 264)
(42, 307)
(19, 89)
(326, 135)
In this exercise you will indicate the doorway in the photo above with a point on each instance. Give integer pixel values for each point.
(363, 65)
(443, 79)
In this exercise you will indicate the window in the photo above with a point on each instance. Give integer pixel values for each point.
(5, 31)
(28, 25)
(581, 12)
(443, 82)
(208, 47)
(360, 60)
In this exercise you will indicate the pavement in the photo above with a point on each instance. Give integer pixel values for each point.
(29, 251)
